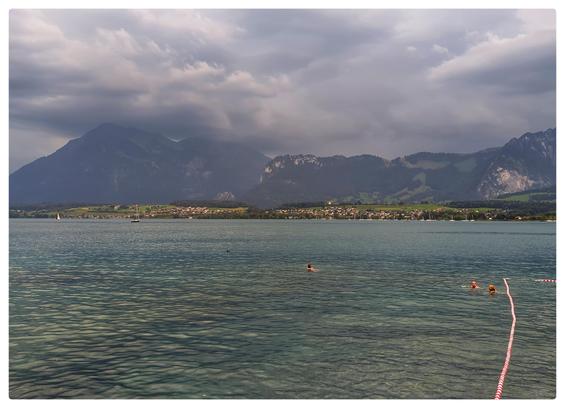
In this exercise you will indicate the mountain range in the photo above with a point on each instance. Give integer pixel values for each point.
(521, 164)
(114, 164)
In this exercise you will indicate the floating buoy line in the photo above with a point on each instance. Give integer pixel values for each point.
(502, 377)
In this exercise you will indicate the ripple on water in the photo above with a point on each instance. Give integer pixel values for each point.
(99, 309)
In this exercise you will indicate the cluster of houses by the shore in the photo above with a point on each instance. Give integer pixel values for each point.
(341, 212)
(190, 212)
(327, 212)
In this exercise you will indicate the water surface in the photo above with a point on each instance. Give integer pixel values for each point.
(226, 309)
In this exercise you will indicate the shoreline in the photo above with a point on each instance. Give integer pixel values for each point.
(275, 219)
(461, 212)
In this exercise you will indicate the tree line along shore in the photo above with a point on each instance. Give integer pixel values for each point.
(495, 210)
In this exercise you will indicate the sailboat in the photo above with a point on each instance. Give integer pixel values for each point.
(136, 218)
(58, 217)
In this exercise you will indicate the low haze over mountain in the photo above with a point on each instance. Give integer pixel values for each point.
(125, 165)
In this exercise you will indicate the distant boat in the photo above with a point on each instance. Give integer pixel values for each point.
(136, 217)
(58, 217)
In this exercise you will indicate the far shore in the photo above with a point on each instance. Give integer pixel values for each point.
(406, 212)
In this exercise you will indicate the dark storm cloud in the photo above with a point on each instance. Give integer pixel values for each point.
(318, 81)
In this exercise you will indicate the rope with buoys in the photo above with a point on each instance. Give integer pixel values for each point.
(546, 280)
(502, 377)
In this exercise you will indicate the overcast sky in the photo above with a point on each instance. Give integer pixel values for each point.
(389, 83)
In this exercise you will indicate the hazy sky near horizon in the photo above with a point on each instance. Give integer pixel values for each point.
(384, 82)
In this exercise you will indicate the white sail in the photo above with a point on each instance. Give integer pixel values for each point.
(136, 218)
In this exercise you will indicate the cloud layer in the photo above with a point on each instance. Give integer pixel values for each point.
(384, 82)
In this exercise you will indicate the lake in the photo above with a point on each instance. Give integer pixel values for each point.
(226, 309)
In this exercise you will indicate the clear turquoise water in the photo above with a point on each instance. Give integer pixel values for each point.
(160, 309)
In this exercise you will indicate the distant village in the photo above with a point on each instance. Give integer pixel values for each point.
(423, 212)
(353, 212)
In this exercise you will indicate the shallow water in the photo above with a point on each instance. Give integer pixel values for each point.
(161, 309)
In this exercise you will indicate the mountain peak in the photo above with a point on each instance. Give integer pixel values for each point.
(112, 129)
(113, 163)
(533, 136)
(108, 126)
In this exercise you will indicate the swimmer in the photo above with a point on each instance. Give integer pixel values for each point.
(310, 268)
(474, 285)
(491, 289)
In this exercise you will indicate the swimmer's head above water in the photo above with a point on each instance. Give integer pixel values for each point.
(491, 289)
(474, 285)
